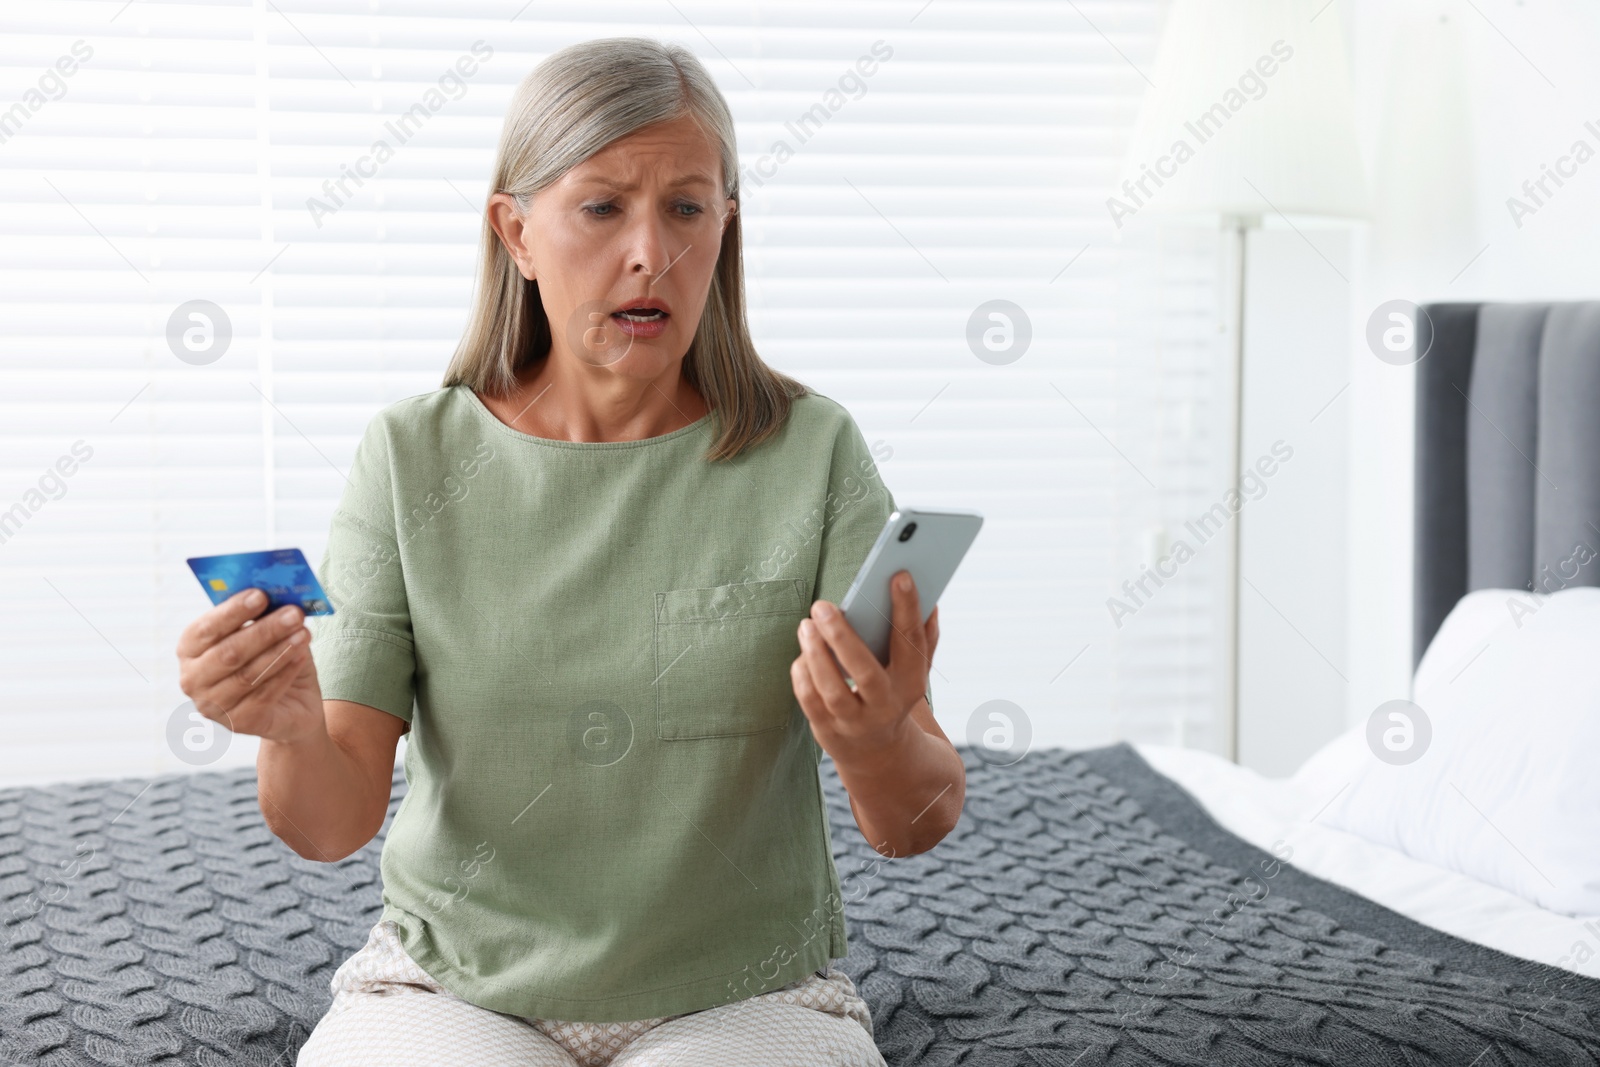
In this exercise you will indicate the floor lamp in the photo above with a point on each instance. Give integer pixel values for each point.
(1248, 115)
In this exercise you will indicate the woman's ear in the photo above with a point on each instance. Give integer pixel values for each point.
(511, 227)
(727, 215)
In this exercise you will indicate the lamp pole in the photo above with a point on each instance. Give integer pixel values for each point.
(1238, 227)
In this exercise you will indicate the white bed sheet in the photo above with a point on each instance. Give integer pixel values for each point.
(1265, 811)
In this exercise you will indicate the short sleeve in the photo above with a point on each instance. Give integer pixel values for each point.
(364, 651)
(859, 503)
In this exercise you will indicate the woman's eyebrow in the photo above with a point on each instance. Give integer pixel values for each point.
(688, 179)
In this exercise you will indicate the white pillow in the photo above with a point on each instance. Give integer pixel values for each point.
(1464, 631)
(1461, 636)
(1507, 789)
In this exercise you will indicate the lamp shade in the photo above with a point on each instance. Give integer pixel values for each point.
(1250, 112)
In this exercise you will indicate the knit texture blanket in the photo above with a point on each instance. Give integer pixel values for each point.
(1085, 912)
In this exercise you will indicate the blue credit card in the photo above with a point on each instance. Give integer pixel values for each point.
(282, 573)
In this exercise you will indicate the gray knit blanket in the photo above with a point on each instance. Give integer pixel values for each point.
(1084, 912)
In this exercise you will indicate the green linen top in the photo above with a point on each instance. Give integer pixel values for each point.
(613, 808)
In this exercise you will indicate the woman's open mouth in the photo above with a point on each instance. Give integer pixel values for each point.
(643, 323)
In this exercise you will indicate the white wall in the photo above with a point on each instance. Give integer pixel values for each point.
(1458, 105)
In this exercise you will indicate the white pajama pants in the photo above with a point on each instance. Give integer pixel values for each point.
(388, 1012)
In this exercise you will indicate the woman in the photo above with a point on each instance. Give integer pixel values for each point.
(577, 574)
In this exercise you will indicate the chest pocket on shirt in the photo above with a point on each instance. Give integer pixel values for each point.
(723, 655)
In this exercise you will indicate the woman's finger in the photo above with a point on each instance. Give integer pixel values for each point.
(806, 692)
(235, 652)
(275, 659)
(214, 624)
(256, 713)
(824, 674)
(855, 658)
(252, 677)
(908, 658)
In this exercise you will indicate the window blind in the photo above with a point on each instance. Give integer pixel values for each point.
(214, 277)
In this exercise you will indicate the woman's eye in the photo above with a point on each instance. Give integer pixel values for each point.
(684, 209)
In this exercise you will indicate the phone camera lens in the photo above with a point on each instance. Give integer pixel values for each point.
(911, 528)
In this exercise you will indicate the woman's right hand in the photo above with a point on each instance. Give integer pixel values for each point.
(252, 677)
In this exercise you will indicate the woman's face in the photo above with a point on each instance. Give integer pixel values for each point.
(638, 224)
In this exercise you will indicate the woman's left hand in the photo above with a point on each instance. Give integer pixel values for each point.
(870, 720)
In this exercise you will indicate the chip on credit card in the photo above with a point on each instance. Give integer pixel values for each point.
(282, 573)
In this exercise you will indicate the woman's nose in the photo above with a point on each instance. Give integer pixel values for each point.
(647, 247)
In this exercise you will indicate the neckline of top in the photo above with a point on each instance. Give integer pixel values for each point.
(477, 403)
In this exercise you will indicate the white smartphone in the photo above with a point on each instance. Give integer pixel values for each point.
(929, 544)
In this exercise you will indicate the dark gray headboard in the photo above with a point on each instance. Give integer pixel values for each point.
(1508, 453)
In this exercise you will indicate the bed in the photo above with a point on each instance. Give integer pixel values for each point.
(1127, 905)
(1087, 910)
